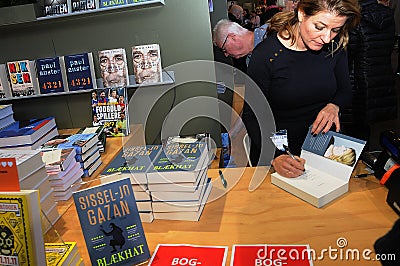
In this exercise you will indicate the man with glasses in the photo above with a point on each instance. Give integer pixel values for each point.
(236, 41)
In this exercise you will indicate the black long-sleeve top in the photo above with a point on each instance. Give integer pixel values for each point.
(297, 85)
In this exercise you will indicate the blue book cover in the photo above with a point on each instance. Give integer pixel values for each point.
(181, 156)
(80, 142)
(49, 75)
(111, 3)
(26, 131)
(111, 224)
(334, 145)
(133, 159)
(79, 69)
(137, 1)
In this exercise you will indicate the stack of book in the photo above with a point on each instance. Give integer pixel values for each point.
(85, 145)
(178, 181)
(63, 254)
(133, 162)
(169, 181)
(6, 115)
(99, 130)
(65, 173)
(28, 134)
(32, 175)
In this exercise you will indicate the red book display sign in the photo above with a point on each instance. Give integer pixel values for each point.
(288, 255)
(9, 175)
(170, 254)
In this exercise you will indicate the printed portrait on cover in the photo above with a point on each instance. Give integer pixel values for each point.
(113, 68)
(340, 153)
(147, 63)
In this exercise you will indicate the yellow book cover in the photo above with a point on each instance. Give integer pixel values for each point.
(58, 254)
(20, 229)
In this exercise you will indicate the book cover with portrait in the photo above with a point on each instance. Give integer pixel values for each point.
(112, 228)
(110, 110)
(113, 68)
(147, 63)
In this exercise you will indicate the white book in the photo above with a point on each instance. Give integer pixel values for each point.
(179, 186)
(185, 215)
(144, 206)
(324, 179)
(182, 195)
(28, 161)
(183, 206)
(146, 217)
(147, 63)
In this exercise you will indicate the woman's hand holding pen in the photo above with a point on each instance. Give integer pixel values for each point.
(287, 166)
(328, 116)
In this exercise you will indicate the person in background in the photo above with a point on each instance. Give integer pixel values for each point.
(370, 49)
(247, 19)
(395, 6)
(235, 14)
(271, 9)
(255, 20)
(236, 41)
(301, 68)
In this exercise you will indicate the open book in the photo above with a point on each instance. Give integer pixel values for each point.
(330, 160)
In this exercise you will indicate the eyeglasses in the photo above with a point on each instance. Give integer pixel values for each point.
(223, 44)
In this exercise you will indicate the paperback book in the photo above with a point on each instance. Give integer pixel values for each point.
(179, 162)
(111, 3)
(175, 254)
(62, 254)
(133, 162)
(56, 7)
(82, 5)
(80, 142)
(5, 91)
(21, 78)
(147, 63)
(112, 229)
(110, 110)
(267, 254)
(50, 75)
(26, 132)
(330, 160)
(113, 67)
(80, 72)
(20, 223)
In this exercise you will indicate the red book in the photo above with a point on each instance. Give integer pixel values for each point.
(288, 255)
(170, 254)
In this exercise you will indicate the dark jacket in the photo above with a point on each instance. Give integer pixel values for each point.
(370, 48)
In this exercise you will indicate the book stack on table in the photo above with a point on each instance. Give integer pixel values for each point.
(65, 173)
(169, 181)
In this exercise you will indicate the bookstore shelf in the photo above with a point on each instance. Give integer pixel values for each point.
(32, 13)
(168, 78)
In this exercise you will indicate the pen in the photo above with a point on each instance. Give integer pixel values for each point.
(223, 180)
(290, 154)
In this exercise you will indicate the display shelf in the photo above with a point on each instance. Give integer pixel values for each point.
(168, 78)
(33, 13)
(145, 3)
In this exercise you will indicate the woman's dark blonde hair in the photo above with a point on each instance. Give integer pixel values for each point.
(285, 22)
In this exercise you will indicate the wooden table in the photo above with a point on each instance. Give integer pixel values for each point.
(267, 215)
